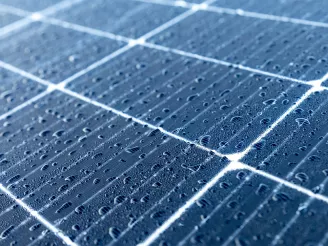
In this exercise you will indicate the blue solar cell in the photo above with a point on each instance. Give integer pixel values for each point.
(295, 145)
(216, 105)
(54, 53)
(128, 18)
(279, 47)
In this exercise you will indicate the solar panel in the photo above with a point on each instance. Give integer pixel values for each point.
(163, 122)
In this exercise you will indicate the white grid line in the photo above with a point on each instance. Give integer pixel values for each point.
(17, 24)
(143, 42)
(167, 24)
(127, 116)
(60, 6)
(6, 30)
(287, 183)
(226, 199)
(26, 75)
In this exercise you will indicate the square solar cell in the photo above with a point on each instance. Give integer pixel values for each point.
(220, 107)
(313, 10)
(15, 90)
(53, 53)
(289, 49)
(296, 149)
(128, 18)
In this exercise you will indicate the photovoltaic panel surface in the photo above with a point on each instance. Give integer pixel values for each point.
(162, 122)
